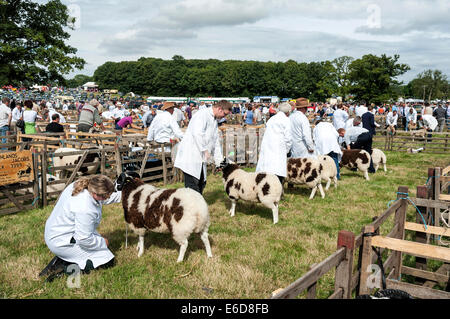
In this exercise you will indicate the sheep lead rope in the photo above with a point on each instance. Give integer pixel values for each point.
(409, 199)
(126, 235)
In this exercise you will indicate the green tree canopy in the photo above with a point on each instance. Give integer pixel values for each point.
(373, 78)
(32, 43)
(430, 85)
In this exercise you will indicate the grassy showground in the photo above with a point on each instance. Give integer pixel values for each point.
(251, 256)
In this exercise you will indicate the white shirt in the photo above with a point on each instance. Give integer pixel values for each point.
(326, 139)
(302, 141)
(202, 134)
(5, 112)
(119, 113)
(202, 106)
(29, 116)
(276, 143)
(352, 133)
(349, 124)
(411, 117)
(65, 107)
(16, 114)
(53, 111)
(163, 128)
(78, 217)
(391, 119)
(178, 115)
(339, 118)
(360, 110)
(107, 115)
(429, 121)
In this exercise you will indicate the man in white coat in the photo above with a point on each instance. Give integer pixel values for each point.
(326, 142)
(302, 143)
(164, 128)
(199, 143)
(340, 116)
(276, 143)
(71, 230)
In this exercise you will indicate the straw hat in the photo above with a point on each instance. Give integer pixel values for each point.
(93, 102)
(167, 105)
(301, 103)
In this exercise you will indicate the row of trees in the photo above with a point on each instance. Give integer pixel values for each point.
(370, 78)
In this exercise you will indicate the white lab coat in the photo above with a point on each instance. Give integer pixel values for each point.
(326, 139)
(202, 134)
(301, 135)
(163, 128)
(78, 217)
(430, 121)
(339, 118)
(275, 145)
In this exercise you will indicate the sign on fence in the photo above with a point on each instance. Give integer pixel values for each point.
(16, 167)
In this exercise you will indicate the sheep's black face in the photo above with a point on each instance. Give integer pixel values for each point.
(124, 178)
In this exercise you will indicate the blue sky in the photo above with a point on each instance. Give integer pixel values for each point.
(263, 30)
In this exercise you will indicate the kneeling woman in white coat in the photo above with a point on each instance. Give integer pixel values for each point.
(276, 144)
(71, 230)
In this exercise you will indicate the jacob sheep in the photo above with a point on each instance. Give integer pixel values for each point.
(329, 171)
(356, 159)
(378, 158)
(180, 212)
(255, 187)
(306, 171)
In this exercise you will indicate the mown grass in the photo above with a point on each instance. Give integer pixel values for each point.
(252, 257)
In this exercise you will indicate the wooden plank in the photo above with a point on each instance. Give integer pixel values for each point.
(386, 214)
(440, 231)
(144, 161)
(430, 203)
(444, 197)
(443, 270)
(412, 248)
(425, 274)
(77, 168)
(294, 289)
(417, 291)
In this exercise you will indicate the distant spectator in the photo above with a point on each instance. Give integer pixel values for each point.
(55, 126)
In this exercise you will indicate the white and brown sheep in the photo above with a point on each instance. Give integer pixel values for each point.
(306, 171)
(329, 171)
(260, 187)
(378, 158)
(179, 212)
(356, 159)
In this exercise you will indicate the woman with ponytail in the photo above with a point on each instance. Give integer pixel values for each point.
(71, 230)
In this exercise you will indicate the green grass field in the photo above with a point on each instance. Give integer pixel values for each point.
(252, 257)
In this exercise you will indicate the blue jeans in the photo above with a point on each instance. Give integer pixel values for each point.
(3, 132)
(334, 156)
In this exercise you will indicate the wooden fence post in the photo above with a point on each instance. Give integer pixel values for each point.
(420, 237)
(366, 259)
(103, 162)
(343, 277)
(118, 159)
(436, 192)
(44, 175)
(399, 222)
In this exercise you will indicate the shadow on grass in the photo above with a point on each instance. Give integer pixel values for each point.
(117, 239)
(251, 208)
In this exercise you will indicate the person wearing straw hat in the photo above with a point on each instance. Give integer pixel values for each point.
(302, 142)
(164, 128)
(276, 143)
